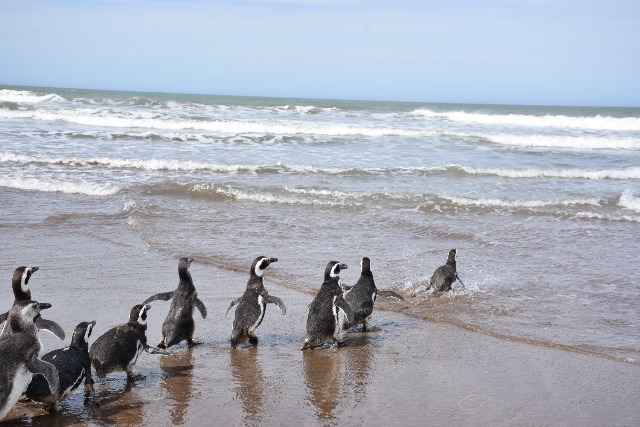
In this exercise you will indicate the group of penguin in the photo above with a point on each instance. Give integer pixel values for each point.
(52, 377)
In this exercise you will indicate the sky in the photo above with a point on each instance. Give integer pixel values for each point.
(532, 52)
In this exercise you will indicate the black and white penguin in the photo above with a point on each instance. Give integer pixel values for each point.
(445, 275)
(20, 355)
(253, 304)
(21, 292)
(118, 348)
(179, 325)
(73, 365)
(323, 323)
(363, 294)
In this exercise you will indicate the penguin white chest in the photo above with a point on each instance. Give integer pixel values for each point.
(21, 381)
(262, 305)
(139, 348)
(337, 331)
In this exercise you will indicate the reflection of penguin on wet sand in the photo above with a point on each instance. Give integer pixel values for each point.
(21, 292)
(323, 323)
(179, 325)
(443, 278)
(20, 355)
(252, 305)
(118, 348)
(362, 296)
(73, 365)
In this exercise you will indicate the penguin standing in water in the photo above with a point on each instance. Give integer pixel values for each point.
(20, 355)
(21, 292)
(118, 348)
(253, 304)
(179, 325)
(323, 323)
(73, 365)
(362, 295)
(445, 275)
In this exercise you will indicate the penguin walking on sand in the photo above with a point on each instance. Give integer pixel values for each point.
(179, 325)
(363, 294)
(73, 365)
(445, 275)
(253, 304)
(323, 323)
(21, 292)
(20, 355)
(118, 348)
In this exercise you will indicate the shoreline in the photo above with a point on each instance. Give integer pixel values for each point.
(406, 372)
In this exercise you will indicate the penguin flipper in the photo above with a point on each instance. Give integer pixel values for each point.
(51, 326)
(463, 287)
(390, 294)
(155, 350)
(343, 305)
(346, 288)
(47, 370)
(278, 302)
(200, 306)
(234, 302)
(3, 318)
(164, 296)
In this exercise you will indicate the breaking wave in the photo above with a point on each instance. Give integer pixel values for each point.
(554, 121)
(52, 185)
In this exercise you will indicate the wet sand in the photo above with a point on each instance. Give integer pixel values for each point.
(406, 372)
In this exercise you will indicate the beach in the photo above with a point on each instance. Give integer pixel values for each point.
(105, 191)
(405, 372)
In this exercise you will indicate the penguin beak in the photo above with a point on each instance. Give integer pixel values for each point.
(273, 260)
(43, 305)
(147, 307)
(343, 266)
(34, 269)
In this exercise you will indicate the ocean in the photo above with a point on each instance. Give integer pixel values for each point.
(541, 203)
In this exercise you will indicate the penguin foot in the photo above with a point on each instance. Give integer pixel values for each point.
(253, 340)
(193, 343)
(134, 377)
(161, 344)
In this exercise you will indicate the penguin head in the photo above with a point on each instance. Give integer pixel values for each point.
(28, 310)
(365, 266)
(139, 314)
(333, 269)
(82, 332)
(260, 264)
(184, 263)
(21, 277)
(451, 259)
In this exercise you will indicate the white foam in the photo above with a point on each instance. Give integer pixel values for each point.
(553, 121)
(51, 185)
(629, 201)
(505, 203)
(25, 96)
(626, 173)
(123, 119)
(264, 197)
(568, 142)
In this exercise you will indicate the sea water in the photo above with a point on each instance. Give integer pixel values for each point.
(541, 203)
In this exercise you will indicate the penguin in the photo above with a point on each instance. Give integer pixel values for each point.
(323, 323)
(73, 365)
(179, 325)
(118, 348)
(253, 304)
(20, 355)
(445, 275)
(363, 294)
(21, 292)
